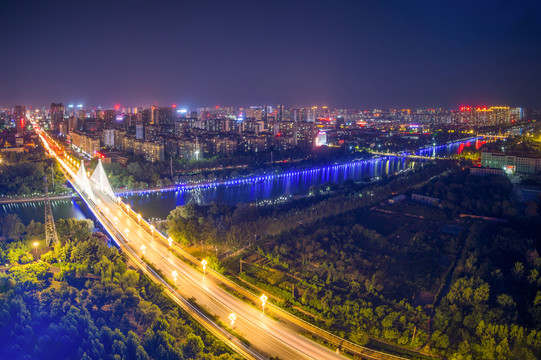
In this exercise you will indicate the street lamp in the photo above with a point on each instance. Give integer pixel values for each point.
(174, 274)
(204, 262)
(139, 218)
(118, 199)
(35, 247)
(263, 299)
(152, 230)
(232, 317)
(143, 248)
(128, 208)
(170, 241)
(126, 231)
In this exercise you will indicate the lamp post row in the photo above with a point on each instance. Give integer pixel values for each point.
(174, 273)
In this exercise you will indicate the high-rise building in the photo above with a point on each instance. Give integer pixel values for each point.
(493, 115)
(88, 143)
(151, 132)
(73, 123)
(57, 116)
(146, 116)
(153, 114)
(140, 132)
(69, 110)
(516, 114)
(309, 114)
(295, 115)
(109, 116)
(164, 116)
(339, 122)
(19, 114)
(279, 112)
(109, 137)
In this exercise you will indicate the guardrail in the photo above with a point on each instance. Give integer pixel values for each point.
(210, 325)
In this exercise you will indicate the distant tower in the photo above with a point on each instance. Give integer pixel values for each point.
(51, 235)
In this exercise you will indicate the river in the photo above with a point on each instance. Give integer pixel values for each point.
(157, 205)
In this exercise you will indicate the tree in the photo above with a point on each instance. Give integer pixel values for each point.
(518, 269)
(134, 349)
(35, 229)
(11, 226)
(194, 345)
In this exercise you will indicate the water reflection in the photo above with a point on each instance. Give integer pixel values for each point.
(159, 204)
(62, 209)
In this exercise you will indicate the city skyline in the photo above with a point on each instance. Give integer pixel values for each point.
(182, 109)
(270, 179)
(350, 54)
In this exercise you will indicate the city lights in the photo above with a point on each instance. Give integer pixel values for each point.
(263, 299)
(232, 318)
(204, 263)
(370, 221)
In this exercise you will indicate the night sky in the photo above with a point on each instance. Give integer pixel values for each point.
(363, 54)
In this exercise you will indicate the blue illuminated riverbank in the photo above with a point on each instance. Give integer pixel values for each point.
(158, 203)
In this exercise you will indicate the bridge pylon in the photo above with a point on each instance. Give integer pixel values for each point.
(83, 183)
(100, 179)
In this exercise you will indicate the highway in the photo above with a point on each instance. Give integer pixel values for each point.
(264, 333)
(268, 337)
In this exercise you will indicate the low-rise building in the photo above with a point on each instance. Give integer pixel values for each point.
(397, 199)
(427, 200)
(481, 171)
(517, 164)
